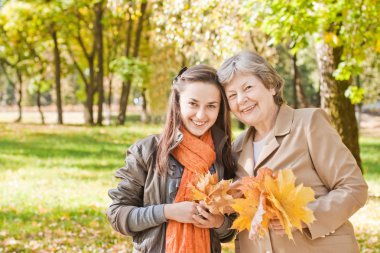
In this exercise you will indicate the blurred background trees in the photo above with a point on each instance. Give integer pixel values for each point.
(109, 54)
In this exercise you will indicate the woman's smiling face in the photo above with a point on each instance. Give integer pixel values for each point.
(249, 100)
(199, 107)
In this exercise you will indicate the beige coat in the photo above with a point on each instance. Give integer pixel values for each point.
(303, 140)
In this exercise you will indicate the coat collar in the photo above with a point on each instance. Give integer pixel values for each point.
(284, 121)
(282, 127)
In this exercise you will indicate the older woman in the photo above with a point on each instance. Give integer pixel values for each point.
(280, 137)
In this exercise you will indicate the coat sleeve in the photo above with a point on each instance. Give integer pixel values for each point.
(128, 194)
(338, 170)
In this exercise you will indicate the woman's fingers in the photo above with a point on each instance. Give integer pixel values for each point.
(234, 191)
(276, 227)
(205, 219)
(203, 212)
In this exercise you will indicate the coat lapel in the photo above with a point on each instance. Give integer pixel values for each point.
(246, 156)
(268, 149)
(281, 128)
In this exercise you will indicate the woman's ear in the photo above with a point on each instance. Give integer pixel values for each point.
(273, 91)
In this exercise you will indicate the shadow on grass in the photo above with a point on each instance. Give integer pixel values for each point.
(90, 148)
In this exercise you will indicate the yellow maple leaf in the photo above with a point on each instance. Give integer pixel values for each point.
(253, 212)
(272, 195)
(289, 201)
(214, 194)
(246, 208)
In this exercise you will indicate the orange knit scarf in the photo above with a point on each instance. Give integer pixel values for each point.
(197, 155)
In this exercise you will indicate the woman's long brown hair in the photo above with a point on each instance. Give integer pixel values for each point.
(198, 73)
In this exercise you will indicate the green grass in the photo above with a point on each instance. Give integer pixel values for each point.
(54, 182)
(370, 155)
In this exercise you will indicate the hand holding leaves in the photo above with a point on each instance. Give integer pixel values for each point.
(214, 194)
(268, 196)
(272, 196)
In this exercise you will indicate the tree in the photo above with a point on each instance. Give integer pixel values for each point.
(99, 9)
(137, 36)
(343, 31)
(15, 54)
(53, 23)
(82, 36)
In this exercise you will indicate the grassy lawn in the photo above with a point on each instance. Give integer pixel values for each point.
(54, 182)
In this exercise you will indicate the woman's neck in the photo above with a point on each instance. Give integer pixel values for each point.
(263, 129)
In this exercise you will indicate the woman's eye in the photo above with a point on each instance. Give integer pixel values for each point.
(248, 87)
(232, 96)
(212, 106)
(192, 104)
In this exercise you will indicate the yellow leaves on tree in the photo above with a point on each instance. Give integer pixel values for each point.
(214, 194)
(272, 195)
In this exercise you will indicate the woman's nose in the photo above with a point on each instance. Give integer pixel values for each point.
(201, 113)
(242, 99)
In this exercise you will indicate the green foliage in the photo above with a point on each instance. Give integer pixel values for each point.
(131, 69)
(37, 83)
(200, 31)
(183, 33)
(355, 94)
(352, 25)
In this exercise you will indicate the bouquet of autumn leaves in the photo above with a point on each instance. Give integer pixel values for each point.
(268, 195)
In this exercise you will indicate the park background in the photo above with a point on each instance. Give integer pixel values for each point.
(80, 81)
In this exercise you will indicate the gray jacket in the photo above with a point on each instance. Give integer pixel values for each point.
(142, 186)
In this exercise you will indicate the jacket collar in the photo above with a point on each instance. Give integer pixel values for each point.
(282, 127)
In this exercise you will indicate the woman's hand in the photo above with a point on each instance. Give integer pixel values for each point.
(205, 219)
(276, 227)
(182, 211)
(234, 191)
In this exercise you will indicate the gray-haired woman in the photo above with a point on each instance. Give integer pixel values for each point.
(280, 137)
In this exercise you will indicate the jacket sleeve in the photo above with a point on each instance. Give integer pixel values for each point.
(128, 194)
(339, 172)
(225, 233)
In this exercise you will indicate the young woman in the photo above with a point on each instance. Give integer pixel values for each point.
(152, 202)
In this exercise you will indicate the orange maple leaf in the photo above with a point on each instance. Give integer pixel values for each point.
(214, 194)
(254, 213)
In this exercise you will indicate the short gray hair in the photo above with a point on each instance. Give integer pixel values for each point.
(248, 62)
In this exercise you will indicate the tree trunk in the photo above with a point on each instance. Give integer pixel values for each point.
(89, 82)
(333, 100)
(139, 29)
(295, 78)
(125, 90)
(299, 94)
(19, 99)
(360, 105)
(109, 100)
(144, 114)
(89, 110)
(126, 86)
(38, 100)
(99, 48)
(57, 63)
